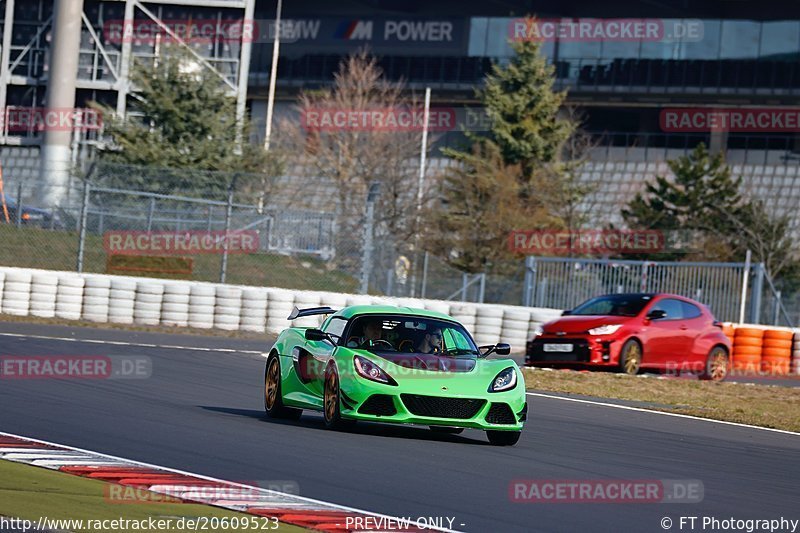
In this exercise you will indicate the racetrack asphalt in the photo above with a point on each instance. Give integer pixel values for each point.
(201, 411)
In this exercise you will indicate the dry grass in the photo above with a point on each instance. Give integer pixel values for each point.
(30, 247)
(760, 405)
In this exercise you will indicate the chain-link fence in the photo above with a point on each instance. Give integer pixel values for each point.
(733, 291)
(157, 222)
(288, 232)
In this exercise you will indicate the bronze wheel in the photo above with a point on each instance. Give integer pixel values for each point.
(630, 358)
(716, 365)
(273, 399)
(271, 384)
(331, 401)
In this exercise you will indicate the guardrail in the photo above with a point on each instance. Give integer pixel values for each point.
(179, 303)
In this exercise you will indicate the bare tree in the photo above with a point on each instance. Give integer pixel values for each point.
(361, 130)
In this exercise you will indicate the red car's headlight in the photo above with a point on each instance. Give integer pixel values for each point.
(605, 330)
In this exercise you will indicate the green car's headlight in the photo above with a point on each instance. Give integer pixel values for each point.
(505, 380)
(369, 370)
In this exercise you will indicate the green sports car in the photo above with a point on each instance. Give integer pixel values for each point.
(394, 364)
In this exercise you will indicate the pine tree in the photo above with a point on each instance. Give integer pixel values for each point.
(523, 109)
(705, 199)
(181, 118)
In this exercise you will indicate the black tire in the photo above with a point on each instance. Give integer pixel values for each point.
(332, 402)
(446, 429)
(273, 397)
(717, 365)
(503, 438)
(630, 357)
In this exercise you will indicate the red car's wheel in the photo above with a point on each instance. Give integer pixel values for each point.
(717, 365)
(630, 357)
(273, 400)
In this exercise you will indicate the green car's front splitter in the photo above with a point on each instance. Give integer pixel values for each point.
(457, 399)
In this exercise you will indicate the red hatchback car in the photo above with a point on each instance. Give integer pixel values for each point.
(631, 332)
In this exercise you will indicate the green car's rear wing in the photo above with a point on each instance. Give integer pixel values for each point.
(297, 313)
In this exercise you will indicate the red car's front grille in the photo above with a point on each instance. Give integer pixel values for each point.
(580, 352)
(438, 407)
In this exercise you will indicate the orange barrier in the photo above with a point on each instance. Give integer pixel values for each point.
(776, 354)
(747, 345)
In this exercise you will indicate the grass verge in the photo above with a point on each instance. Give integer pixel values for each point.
(758, 405)
(31, 247)
(29, 492)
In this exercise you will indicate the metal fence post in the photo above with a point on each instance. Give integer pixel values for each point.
(775, 320)
(18, 221)
(745, 279)
(424, 276)
(150, 213)
(228, 214)
(482, 287)
(366, 258)
(643, 281)
(87, 188)
(463, 286)
(758, 288)
(527, 289)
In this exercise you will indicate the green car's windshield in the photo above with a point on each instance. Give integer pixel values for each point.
(409, 334)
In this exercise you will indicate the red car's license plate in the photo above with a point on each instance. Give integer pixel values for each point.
(557, 347)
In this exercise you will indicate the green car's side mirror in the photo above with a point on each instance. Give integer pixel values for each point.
(313, 334)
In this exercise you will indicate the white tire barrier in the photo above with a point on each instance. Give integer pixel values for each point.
(69, 297)
(488, 326)
(333, 300)
(96, 298)
(121, 299)
(17, 292)
(795, 365)
(254, 310)
(147, 306)
(43, 295)
(175, 304)
(201, 305)
(281, 303)
(358, 299)
(228, 308)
